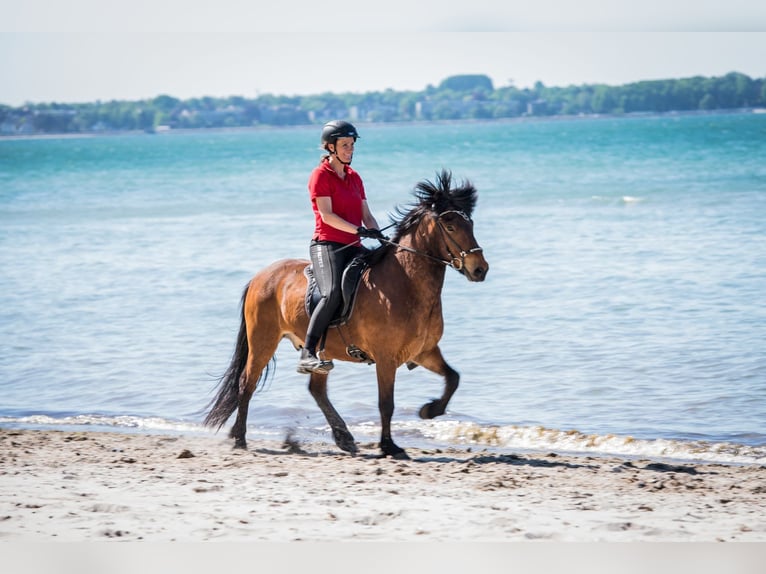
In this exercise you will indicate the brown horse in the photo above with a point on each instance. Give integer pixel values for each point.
(397, 316)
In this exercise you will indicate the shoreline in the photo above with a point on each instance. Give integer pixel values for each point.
(92, 486)
(458, 434)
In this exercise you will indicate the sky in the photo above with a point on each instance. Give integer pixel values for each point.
(88, 50)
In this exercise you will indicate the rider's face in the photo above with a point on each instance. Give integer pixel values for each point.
(344, 148)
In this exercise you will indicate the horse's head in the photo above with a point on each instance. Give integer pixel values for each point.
(459, 243)
(443, 217)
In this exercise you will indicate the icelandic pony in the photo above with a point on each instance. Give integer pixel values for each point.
(396, 320)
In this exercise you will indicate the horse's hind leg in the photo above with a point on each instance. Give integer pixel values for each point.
(247, 384)
(434, 361)
(239, 428)
(341, 434)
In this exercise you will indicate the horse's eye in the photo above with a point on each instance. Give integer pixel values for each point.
(450, 228)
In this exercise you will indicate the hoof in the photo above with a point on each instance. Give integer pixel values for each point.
(345, 441)
(431, 410)
(389, 448)
(240, 444)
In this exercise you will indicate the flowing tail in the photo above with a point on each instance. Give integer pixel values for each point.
(227, 399)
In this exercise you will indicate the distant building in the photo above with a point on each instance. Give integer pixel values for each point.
(537, 107)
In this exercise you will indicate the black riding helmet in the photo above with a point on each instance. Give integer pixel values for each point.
(338, 129)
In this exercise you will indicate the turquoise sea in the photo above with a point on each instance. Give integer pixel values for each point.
(623, 312)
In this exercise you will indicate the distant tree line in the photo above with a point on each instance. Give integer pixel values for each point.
(457, 97)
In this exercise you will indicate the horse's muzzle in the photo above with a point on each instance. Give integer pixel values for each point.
(475, 267)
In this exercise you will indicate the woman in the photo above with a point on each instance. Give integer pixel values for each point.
(341, 216)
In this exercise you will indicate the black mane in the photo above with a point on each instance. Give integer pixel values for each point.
(432, 197)
(436, 197)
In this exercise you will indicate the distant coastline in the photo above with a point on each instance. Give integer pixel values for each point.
(260, 128)
(457, 98)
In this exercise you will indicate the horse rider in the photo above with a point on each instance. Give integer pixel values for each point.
(341, 218)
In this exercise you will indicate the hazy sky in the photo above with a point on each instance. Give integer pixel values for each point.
(86, 50)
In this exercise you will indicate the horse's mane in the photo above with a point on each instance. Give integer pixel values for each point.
(432, 197)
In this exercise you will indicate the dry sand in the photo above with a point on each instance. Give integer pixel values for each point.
(90, 486)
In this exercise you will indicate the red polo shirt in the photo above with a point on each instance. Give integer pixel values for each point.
(347, 196)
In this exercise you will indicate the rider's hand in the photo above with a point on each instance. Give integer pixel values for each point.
(370, 232)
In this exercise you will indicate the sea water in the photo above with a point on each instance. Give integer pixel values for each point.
(623, 311)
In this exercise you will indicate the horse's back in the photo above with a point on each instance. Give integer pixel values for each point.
(277, 276)
(278, 290)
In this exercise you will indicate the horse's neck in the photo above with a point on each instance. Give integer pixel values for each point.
(423, 271)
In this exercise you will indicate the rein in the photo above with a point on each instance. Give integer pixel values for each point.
(455, 262)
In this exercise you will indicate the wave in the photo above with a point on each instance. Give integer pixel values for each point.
(537, 438)
(621, 200)
(122, 422)
(442, 434)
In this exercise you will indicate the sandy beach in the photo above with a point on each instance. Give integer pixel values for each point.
(91, 486)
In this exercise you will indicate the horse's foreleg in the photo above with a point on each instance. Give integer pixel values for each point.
(386, 378)
(434, 361)
(340, 432)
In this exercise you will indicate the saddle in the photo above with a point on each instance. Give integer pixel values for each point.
(352, 274)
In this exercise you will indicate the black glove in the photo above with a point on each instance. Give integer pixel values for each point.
(371, 233)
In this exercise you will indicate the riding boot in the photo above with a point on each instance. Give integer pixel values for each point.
(310, 363)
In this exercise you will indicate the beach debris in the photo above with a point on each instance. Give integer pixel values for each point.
(662, 467)
(108, 508)
(186, 453)
(212, 488)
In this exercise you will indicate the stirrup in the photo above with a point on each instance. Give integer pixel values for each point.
(309, 363)
(321, 367)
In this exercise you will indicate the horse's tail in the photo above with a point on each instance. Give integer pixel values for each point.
(227, 399)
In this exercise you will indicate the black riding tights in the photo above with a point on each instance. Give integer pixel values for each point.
(328, 260)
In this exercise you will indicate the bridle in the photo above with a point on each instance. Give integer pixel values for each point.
(454, 262)
(457, 263)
